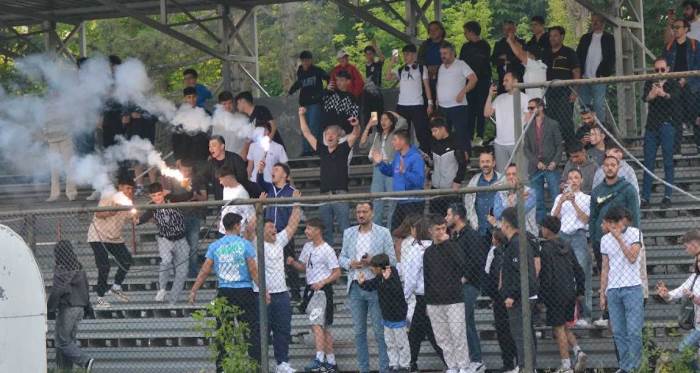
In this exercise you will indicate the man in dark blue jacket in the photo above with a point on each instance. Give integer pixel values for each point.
(596, 53)
(408, 172)
(280, 188)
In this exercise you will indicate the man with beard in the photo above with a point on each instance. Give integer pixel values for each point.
(480, 205)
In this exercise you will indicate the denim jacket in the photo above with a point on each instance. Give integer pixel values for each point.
(380, 243)
(693, 58)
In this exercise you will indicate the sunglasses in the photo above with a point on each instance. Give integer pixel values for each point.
(408, 68)
(531, 108)
(660, 70)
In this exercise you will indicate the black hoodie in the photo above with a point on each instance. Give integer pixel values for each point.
(391, 299)
(443, 268)
(561, 278)
(510, 271)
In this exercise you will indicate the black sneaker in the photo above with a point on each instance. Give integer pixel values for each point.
(666, 202)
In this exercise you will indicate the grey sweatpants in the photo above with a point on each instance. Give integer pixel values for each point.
(502, 154)
(397, 347)
(450, 332)
(173, 254)
(67, 320)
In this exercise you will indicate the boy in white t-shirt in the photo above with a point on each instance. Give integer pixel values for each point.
(621, 286)
(275, 154)
(535, 69)
(233, 190)
(502, 107)
(320, 263)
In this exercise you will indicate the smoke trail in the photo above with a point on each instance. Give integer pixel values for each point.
(235, 123)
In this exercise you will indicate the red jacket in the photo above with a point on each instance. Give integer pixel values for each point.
(357, 84)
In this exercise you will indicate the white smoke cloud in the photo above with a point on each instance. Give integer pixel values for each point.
(133, 86)
(192, 119)
(235, 123)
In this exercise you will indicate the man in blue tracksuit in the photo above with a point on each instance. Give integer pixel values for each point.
(408, 172)
(280, 188)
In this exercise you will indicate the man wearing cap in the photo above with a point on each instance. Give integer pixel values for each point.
(310, 83)
(357, 84)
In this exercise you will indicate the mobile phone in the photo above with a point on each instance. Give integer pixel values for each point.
(373, 115)
(395, 52)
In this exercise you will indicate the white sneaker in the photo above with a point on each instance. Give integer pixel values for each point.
(160, 295)
(285, 368)
(582, 324)
(118, 292)
(477, 367)
(581, 362)
(452, 371)
(514, 370)
(52, 199)
(564, 370)
(102, 303)
(601, 323)
(93, 197)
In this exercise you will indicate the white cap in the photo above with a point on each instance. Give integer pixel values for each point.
(341, 53)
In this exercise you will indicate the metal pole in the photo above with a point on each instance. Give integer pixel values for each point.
(262, 285)
(83, 40)
(521, 161)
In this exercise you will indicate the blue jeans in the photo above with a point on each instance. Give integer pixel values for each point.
(461, 126)
(279, 314)
(626, 309)
(192, 227)
(363, 303)
(537, 183)
(313, 119)
(335, 211)
(665, 137)
(594, 97)
(579, 243)
(470, 294)
(382, 183)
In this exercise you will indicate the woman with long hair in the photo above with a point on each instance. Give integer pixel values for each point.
(70, 299)
(386, 124)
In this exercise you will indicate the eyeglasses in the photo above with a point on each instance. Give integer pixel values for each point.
(660, 70)
(531, 108)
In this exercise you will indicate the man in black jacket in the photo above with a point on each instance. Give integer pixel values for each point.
(443, 269)
(310, 80)
(510, 284)
(503, 57)
(596, 52)
(474, 248)
(562, 284)
(448, 165)
(475, 52)
(190, 145)
(220, 157)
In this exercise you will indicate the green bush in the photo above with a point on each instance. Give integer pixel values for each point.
(218, 322)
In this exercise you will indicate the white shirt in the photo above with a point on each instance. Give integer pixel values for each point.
(451, 80)
(411, 85)
(319, 261)
(505, 118)
(246, 211)
(570, 222)
(694, 29)
(363, 243)
(677, 293)
(622, 273)
(274, 265)
(535, 72)
(276, 154)
(413, 269)
(594, 56)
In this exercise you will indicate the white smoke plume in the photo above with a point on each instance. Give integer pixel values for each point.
(192, 119)
(236, 123)
(133, 86)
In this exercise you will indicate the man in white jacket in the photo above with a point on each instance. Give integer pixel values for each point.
(60, 153)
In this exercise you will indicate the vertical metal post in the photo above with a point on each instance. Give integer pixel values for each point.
(412, 22)
(50, 41)
(30, 224)
(521, 161)
(262, 285)
(254, 36)
(437, 4)
(225, 30)
(82, 40)
(163, 12)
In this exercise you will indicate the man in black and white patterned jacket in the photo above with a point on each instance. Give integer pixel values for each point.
(340, 105)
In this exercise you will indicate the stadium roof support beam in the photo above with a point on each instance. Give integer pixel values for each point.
(363, 13)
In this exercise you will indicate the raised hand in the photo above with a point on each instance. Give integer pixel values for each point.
(302, 110)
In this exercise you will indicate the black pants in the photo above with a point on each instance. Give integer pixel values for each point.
(515, 322)
(477, 99)
(505, 339)
(293, 281)
(121, 255)
(247, 302)
(417, 117)
(403, 209)
(561, 109)
(420, 329)
(597, 255)
(440, 205)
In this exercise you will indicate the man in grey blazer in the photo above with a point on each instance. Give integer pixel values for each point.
(543, 149)
(360, 243)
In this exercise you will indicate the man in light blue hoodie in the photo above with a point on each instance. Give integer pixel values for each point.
(408, 172)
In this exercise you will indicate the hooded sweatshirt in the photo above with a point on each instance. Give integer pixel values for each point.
(413, 175)
(448, 163)
(561, 278)
(604, 197)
